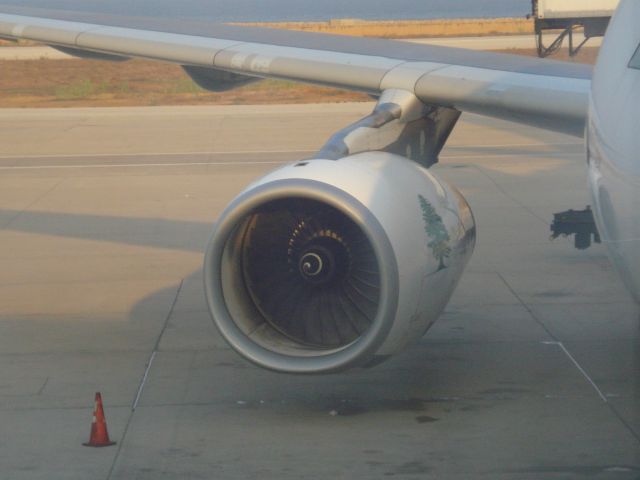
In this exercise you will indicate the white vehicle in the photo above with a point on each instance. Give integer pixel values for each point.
(342, 260)
(574, 8)
(591, 16)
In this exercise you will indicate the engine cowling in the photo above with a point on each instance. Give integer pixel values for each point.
(325, 265)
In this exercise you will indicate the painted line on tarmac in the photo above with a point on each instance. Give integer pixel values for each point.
(281, 162)
(256, 152)
(151, 154)
(139, 165)
(505, 145)
(582, 371)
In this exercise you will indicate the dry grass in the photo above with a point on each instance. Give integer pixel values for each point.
(73, 83)
(79, 83)
(410, 28)
(14, 43)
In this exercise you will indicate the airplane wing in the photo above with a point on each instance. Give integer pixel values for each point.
(543, 93)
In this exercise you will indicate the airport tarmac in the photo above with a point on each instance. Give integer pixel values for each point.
(502, 42)
(532, 372)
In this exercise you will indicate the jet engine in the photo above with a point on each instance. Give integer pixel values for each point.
(325, 265)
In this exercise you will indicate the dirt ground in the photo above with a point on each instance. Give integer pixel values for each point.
(410, 28)
(80, 83)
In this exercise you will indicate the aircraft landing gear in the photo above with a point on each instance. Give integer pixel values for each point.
(576, 222)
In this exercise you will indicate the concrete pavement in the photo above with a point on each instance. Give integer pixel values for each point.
(503, 42)
(532, 372)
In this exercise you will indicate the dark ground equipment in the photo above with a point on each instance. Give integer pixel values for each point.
(576, 222)
(567, 17)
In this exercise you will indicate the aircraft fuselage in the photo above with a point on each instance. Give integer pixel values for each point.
(613, 144)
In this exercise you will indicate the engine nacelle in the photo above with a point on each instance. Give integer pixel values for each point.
(325, 265)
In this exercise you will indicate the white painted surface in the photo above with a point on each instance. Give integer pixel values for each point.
(576, 8)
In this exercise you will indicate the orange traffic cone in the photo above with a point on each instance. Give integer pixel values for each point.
(99, 435)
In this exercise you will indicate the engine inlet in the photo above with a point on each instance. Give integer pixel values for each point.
(311, 272)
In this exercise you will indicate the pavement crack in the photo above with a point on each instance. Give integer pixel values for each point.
(31, 205)
(144, 379)
(629, 427)
(44, 385)
(484, 173)
(527, 308)
(583, 372)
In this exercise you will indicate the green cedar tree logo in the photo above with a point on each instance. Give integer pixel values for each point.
(436, 231)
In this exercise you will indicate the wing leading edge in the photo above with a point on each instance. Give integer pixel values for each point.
(548, 94)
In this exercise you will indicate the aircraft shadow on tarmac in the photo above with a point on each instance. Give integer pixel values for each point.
(146, 232)
(406, 383)
(426, 381)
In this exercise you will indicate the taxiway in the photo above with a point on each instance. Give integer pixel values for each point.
(532, 372)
